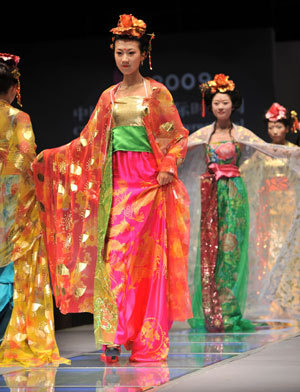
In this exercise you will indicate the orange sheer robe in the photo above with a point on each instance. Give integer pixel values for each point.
(74, 187)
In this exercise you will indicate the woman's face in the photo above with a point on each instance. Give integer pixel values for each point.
(128, 56)
(277, 131)
(222, 106)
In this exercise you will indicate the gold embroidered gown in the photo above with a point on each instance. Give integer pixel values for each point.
(29, 339)
(274, 269)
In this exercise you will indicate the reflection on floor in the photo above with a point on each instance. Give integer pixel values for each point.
(189, 351)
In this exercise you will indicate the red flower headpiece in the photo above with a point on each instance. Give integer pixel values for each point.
(15, 72)
(220, 83)
(129, 25)
(276, 112)
(7, 56)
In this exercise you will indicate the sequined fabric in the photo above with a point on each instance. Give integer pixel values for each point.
(192, 169)
(75, 190)
(208, 297)
(224, 233)
(29, 338)
(276, 194)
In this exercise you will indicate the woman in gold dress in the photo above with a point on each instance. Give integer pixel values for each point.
(29, 338)
(273, 292)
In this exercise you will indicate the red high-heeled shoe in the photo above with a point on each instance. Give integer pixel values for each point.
(111, 354)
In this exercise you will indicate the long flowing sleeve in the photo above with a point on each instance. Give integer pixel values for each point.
(74, 189)
(168, 139)
(166, 127)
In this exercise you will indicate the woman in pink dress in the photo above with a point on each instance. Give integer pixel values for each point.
(118, 245)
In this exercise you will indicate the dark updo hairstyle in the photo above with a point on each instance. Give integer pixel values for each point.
(143, 41)
(234, 95)
(6, 77)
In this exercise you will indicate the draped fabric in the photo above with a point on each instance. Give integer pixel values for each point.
(75, 188)
(29, 338)
(274, 290)
(190, 173)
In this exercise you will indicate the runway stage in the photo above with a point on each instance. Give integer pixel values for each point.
(268, 359)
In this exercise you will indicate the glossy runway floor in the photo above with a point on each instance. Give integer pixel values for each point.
(192, 356)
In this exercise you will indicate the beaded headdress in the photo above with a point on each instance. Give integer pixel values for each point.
(13, 61)
(278, 112)
(221, 83)
(133, 27)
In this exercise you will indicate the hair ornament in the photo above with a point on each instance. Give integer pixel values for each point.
(132, 27)
(129, 25)
(16, 75)
(152, 36)
(276, 112)
(221, 83)
(6, 57)
(204, 87)
(296, 125)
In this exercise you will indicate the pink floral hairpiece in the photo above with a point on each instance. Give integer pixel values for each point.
(7, 56)
(276, 112)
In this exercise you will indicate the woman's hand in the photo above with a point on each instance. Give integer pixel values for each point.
(164, 178)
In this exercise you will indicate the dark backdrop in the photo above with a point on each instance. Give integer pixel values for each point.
(62, 80)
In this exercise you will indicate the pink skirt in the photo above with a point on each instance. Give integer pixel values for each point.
(136, 256)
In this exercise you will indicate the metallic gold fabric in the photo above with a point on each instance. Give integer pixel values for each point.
(29, 339)
(129, 111)
(105, 307)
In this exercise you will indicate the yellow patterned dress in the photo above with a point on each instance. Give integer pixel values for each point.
(29, 339)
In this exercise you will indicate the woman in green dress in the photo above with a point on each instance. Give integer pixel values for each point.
(219, 251)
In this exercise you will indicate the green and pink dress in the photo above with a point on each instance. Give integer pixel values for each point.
(222, 258)
(223, 240)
